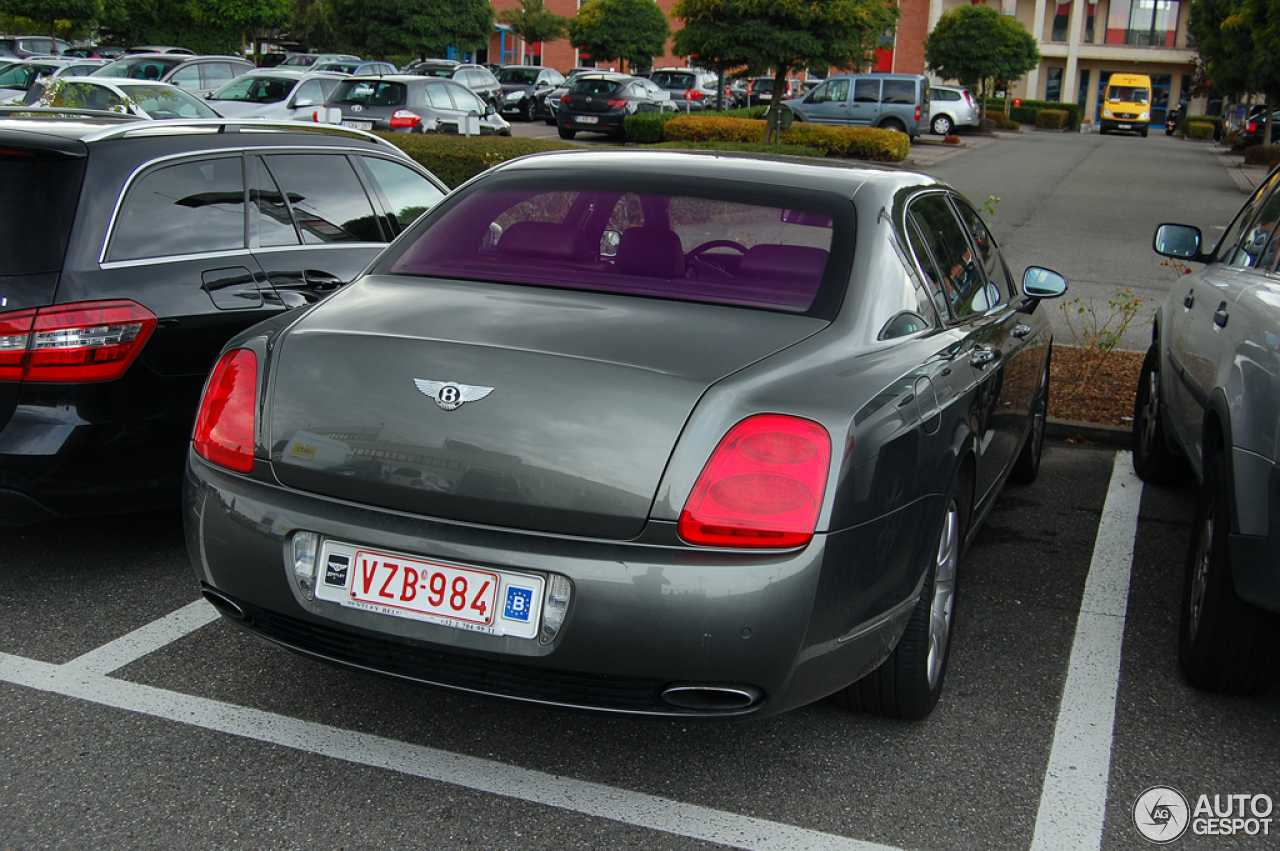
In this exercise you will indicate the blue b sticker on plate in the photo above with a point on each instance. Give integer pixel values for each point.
(519, 604)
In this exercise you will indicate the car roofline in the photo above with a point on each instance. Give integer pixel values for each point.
(150, 127)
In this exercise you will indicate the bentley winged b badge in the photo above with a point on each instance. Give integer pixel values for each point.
(450, 394)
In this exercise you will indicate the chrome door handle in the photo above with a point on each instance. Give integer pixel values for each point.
(981, 356)
(1220, 316)
(1189, 299)
(1021, 331)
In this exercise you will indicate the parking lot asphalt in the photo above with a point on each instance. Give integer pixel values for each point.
(136, 719)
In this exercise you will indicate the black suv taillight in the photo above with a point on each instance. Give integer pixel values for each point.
(90, 341)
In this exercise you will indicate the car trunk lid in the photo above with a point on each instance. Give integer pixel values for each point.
(546, 411)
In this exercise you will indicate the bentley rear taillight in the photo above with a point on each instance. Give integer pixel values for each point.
(90, 341)
(762, 487)
(405, 118)
(224, 432)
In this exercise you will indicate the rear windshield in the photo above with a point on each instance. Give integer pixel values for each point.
(370, 93)
(518, 76)
(714, 243)
(589, 86)
(37, 206)
(151, 68)
(667, 80)
(256, 89)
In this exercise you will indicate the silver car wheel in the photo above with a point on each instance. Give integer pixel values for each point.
(944, 593)
(1200, 574)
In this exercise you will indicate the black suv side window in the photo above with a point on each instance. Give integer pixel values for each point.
(188, 208)
(407, 193)
(327, 199)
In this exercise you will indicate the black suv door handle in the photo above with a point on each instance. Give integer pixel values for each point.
(1220, 316)
(1021, 331)
(1189, 299)
(322, 280)
(983, 355)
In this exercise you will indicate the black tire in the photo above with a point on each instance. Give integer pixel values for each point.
(1225, 645)
(1153, 460)
(894, 124)
(943, 125)
(907, 684)
(551, 120)
(566, 133)
(1027, 467)
(1102, 131)
(527, 109)
(1143, 131)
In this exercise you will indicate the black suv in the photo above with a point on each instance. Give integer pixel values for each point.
(133, 252)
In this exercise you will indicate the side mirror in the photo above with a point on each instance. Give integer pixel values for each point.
(301, 102)
(489, 110)
(1180, 241)
(1039, 283)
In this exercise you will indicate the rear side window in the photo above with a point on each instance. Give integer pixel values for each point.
(898, 91)
(960, 274)
(866, 91)
(723, 248)
(408, 193)
(327, 199)
(37, 206)
(189, 208)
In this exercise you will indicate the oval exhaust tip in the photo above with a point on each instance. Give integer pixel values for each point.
(703, 698)
(225, 605)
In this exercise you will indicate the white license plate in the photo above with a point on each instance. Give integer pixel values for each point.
(1124, 126)
(586, 119)
(496, 602)
(358, 125)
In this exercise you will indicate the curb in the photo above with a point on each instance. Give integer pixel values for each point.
(1106, 435)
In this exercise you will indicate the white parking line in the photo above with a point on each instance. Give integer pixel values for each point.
(1073, 801)
(80, 681)
(144, 640)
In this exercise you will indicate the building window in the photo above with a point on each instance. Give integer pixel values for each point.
(1151, 23)
(1053, 85)
(1061, 23)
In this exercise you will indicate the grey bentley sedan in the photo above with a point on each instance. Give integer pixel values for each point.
(656, 433)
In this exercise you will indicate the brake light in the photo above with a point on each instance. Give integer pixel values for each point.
(224, 432)
(968, 98)
(90, 341)
(564, 99)
(617, 103)
(762, 487)
(917, 114)
(405, 118)
(1253, 127)
(693, 94)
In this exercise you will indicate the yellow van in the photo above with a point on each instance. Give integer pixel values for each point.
(1128, 104)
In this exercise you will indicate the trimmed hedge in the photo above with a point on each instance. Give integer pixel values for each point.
(864, 143)
(1201, 130)
(1051, 119)
(1214, 121)
(1026, 114)
(645, 128)
(1262, 155)
(457, 159)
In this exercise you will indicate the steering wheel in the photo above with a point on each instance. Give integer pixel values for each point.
(695, 254)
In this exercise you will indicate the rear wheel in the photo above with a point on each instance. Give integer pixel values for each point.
(1027, 467)
(526, 111)
(908, 683)
(566, 133)
(943, 125)
(894, 124)
(1153, 460)
(1225, 644)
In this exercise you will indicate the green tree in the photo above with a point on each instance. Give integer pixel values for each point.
(533, 23)
(130, 22)
(976, 44)
(1239, 45)
(782, 36)
(49, 12)
(311, 23)
(630, 30)
(412, 28)
(248, 16)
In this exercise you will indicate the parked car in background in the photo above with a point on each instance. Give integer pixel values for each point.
(290, 94)
(690, 89)
(524, 89)
(600, 103)
(19, 76)
(744, 483)
(22, 46)
(272, 59)
(141, 98)
(1209, 399)
(1254, 130)
(477, 78)
(760, 91)
(405, 103)
(306, 60)
(161, 48)
(101, 51)
(200, 75)
(361, 67)
(551, 103)
(951, 107)
(107, 337)
(890, 101)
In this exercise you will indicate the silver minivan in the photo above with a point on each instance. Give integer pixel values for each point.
(891, 101)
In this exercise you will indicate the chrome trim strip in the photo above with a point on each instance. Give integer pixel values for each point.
(210, 255)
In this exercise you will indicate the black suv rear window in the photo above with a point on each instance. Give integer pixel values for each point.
(591, 86)
(37, 206)
(370, 92)
(674, 81)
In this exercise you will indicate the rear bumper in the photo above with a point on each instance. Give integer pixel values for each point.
(605, 122)
(788, 628)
